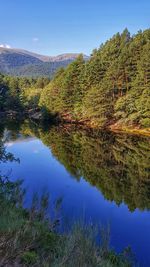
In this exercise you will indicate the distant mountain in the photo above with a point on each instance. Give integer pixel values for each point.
(20, 62)
(41, 69)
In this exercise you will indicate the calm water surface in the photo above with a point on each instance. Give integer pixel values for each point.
(101, 177)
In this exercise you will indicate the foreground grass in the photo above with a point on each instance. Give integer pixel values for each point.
(29, 238)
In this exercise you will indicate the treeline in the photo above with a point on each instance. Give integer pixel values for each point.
(113, 86)
(20, 94)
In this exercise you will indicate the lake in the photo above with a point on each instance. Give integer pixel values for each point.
(100, 177)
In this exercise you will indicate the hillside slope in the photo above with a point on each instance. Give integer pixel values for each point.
(20, 62)
(10, 59)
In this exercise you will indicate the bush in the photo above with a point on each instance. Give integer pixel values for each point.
(29, 258)
(145, 122)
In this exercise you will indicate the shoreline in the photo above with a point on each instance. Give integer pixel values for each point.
(130, 130)
(115, 128)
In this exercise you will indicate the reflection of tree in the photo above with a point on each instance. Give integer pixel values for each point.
(12, 129)
(118, 165)
(9, 191)
(4, 155)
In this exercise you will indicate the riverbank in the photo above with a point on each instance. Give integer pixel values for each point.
(116, 128)
(37, 116)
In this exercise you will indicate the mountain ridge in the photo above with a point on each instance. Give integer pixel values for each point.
(20, 62)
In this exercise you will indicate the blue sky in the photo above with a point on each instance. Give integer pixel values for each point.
(58, 26)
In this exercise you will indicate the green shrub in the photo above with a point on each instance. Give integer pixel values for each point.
(29, 258)
(145, 122)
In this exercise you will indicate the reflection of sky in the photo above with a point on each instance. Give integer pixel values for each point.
(19, 140)
(42, 172)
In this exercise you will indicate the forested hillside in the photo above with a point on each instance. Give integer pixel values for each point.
(113, 86)
(42, 69)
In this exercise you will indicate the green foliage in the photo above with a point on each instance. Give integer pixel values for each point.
(113, 85)
(29, 258)
(20, 94)
(98, 105)
(145, 122)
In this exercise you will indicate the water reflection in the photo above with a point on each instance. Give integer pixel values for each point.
(117, 164)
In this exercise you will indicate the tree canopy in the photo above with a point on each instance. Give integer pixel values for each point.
(112, 86)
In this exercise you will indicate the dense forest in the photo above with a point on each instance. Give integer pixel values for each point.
(111, 88)
(20, 94)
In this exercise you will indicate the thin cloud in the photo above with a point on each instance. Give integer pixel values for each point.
(5, 46)
(35, 39)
